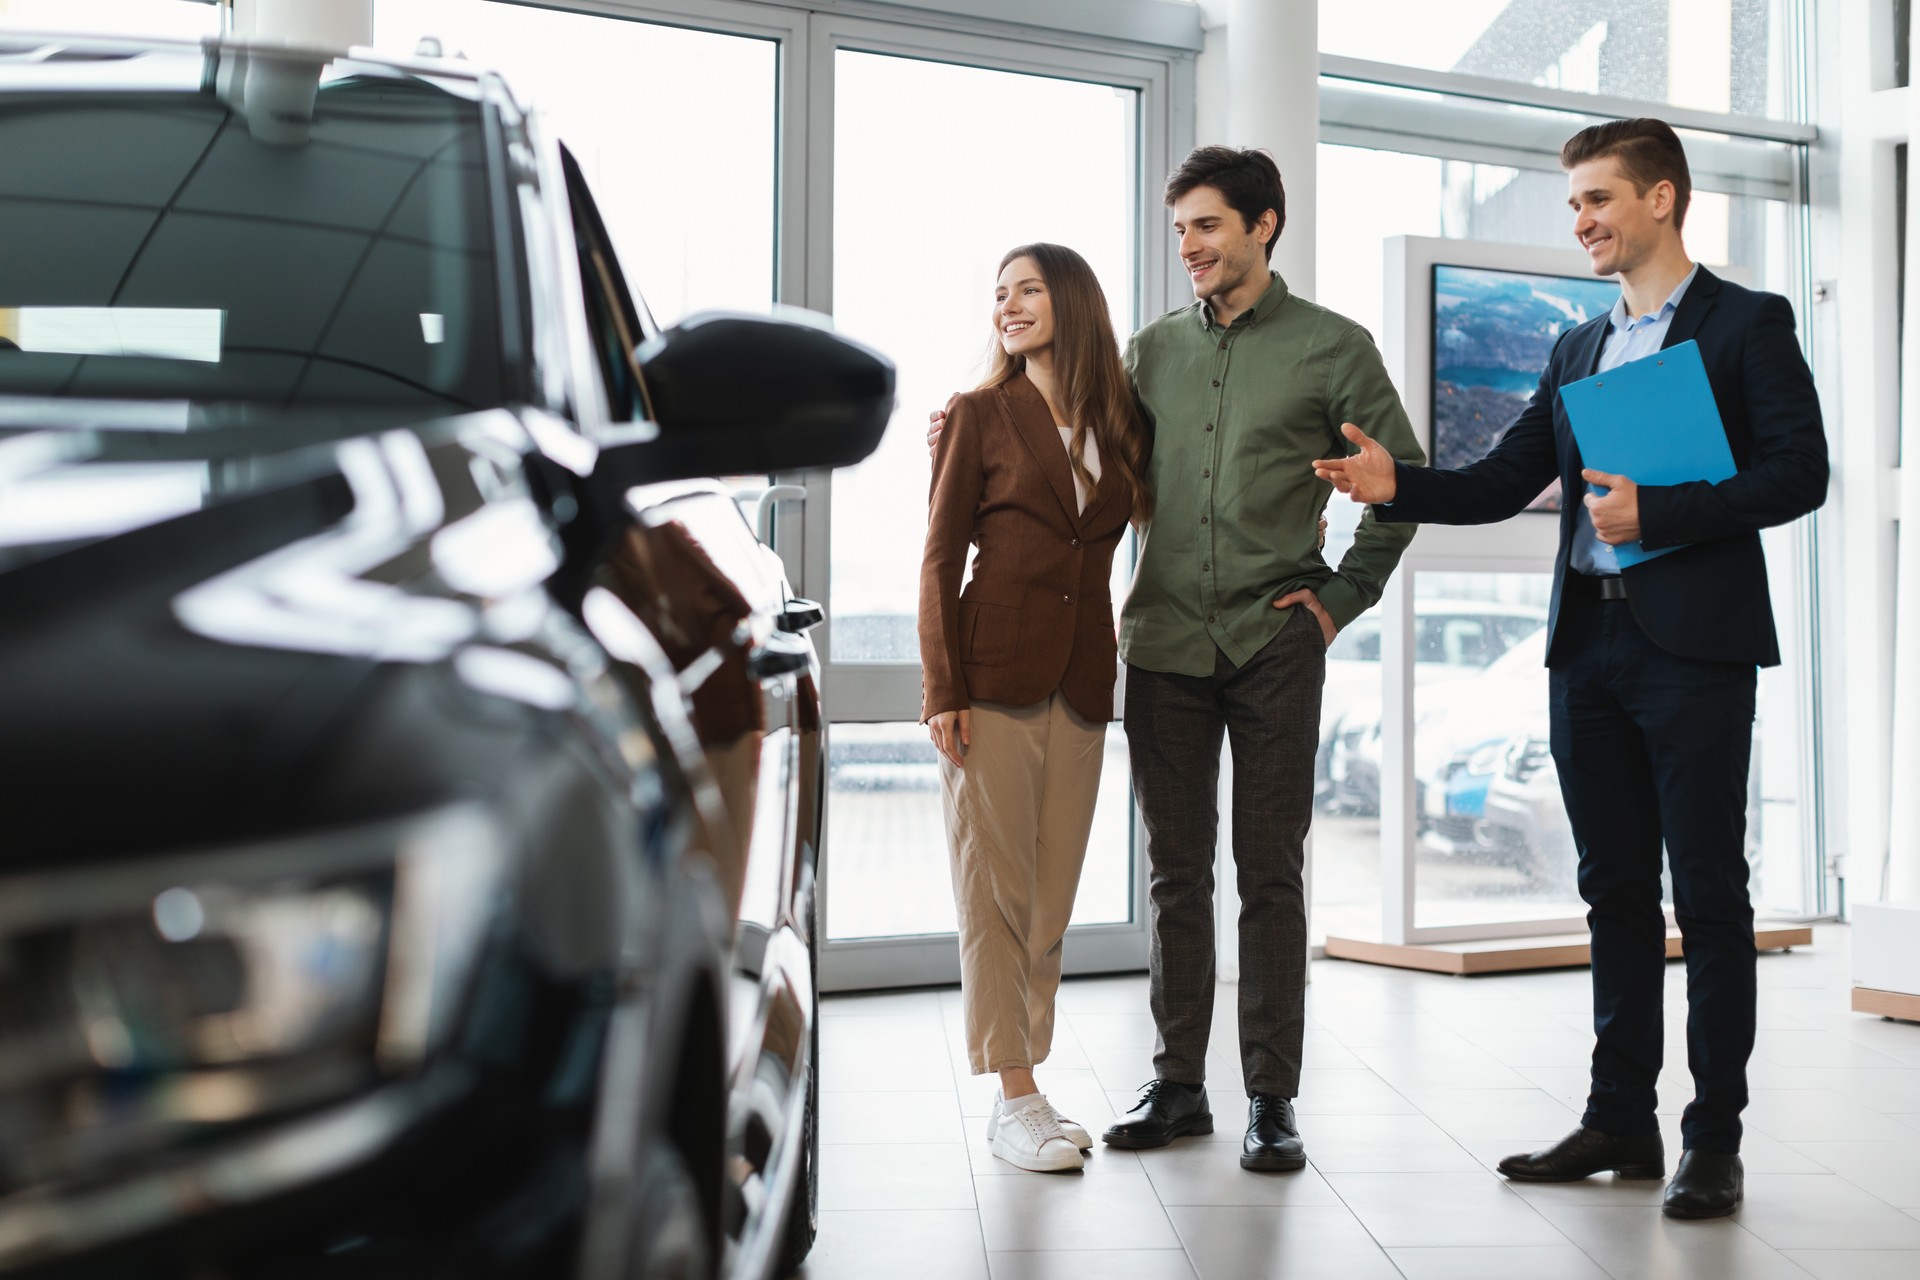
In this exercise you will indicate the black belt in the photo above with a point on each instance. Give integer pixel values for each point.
(1592, 587)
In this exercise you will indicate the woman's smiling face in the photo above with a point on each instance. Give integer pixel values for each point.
(1022, 309)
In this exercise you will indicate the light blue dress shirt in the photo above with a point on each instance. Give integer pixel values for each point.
(1628, 339)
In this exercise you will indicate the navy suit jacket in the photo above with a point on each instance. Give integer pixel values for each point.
(1709, 599)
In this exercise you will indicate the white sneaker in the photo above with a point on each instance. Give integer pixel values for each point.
(1029, 1137)
(1078, 1136)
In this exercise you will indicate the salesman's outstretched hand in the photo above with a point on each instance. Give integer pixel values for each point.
(1366, 476)
(1616, 515)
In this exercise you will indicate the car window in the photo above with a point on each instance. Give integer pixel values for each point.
(613, 321)
(155, 249)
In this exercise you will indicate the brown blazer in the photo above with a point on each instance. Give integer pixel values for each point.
(1036, 615)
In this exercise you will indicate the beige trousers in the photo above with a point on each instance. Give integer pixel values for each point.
(1018, 817)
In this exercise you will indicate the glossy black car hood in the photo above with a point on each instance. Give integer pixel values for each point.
(150, 698)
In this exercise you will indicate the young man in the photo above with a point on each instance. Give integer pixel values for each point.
(1652, 668)
(1226, 629)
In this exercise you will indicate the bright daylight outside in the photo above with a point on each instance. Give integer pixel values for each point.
(684, 248)
(921, 288)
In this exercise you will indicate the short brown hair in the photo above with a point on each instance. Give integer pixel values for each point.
(1648, 150)
(1246, 178)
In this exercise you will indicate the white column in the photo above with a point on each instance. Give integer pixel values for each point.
(1210, 75)
(1273, 101)
(316, 24)
(1903, 827)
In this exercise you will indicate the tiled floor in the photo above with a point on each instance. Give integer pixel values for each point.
(1414, 1086)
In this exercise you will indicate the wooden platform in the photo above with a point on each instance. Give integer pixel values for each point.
(1888, 1004)
(1563, 951)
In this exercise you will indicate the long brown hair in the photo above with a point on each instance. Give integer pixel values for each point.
(1095, 394)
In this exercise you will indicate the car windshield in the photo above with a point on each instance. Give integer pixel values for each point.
(155, 244)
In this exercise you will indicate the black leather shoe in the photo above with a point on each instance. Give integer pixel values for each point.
(1707, 1184)
(1585, 1152)
(1273, 1141)
(1166, 1111)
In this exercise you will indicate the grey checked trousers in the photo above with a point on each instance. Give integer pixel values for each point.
(1269, 710)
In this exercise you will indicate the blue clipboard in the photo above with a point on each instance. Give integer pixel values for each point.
(1653, 420)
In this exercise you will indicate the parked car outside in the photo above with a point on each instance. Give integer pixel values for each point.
(1469, 739)
(1453, 640)
(1525, 819)
(411, 765)
(1525, 822)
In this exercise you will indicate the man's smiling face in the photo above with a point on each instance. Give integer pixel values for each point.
(1619, 226)
(1217, 247)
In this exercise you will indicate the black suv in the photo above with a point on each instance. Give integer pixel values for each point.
(410, 770)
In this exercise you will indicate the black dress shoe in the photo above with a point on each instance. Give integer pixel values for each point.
(1273, 1139)
(1708, 1184)
(1585, 1152)
(1166, 1110)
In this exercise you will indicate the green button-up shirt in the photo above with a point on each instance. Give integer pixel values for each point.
(1239, 414)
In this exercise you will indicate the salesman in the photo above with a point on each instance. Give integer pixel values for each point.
(1652, 669)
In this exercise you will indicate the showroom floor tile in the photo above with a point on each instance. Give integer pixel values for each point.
(1415, 1085)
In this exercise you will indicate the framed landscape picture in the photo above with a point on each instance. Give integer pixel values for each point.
(1493, 330)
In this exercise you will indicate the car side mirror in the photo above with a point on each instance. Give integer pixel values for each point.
(740, 394)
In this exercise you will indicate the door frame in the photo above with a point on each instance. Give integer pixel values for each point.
(870, 692)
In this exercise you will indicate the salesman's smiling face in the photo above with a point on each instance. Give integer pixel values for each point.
(1217, 247)
(1619, 226)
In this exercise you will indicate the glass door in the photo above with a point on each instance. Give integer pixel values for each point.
(942, 159)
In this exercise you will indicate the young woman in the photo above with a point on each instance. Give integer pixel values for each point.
(1041, 467)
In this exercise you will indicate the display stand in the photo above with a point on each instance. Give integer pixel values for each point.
(1562, 951)
(1886, 959)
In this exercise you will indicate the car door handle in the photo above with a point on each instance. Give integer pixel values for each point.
(782, 654)
(801, 616)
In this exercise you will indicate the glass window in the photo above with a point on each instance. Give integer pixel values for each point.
(1712, 55)
(1346, 787)
(920, 288)
(1777, 828)
(181, 19)
(1900, 275)
(887, 846)
(1493, 842)
(1465, 627)
(1902, 41)
(1492, 839)
(1360, 641)
(689, 206)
